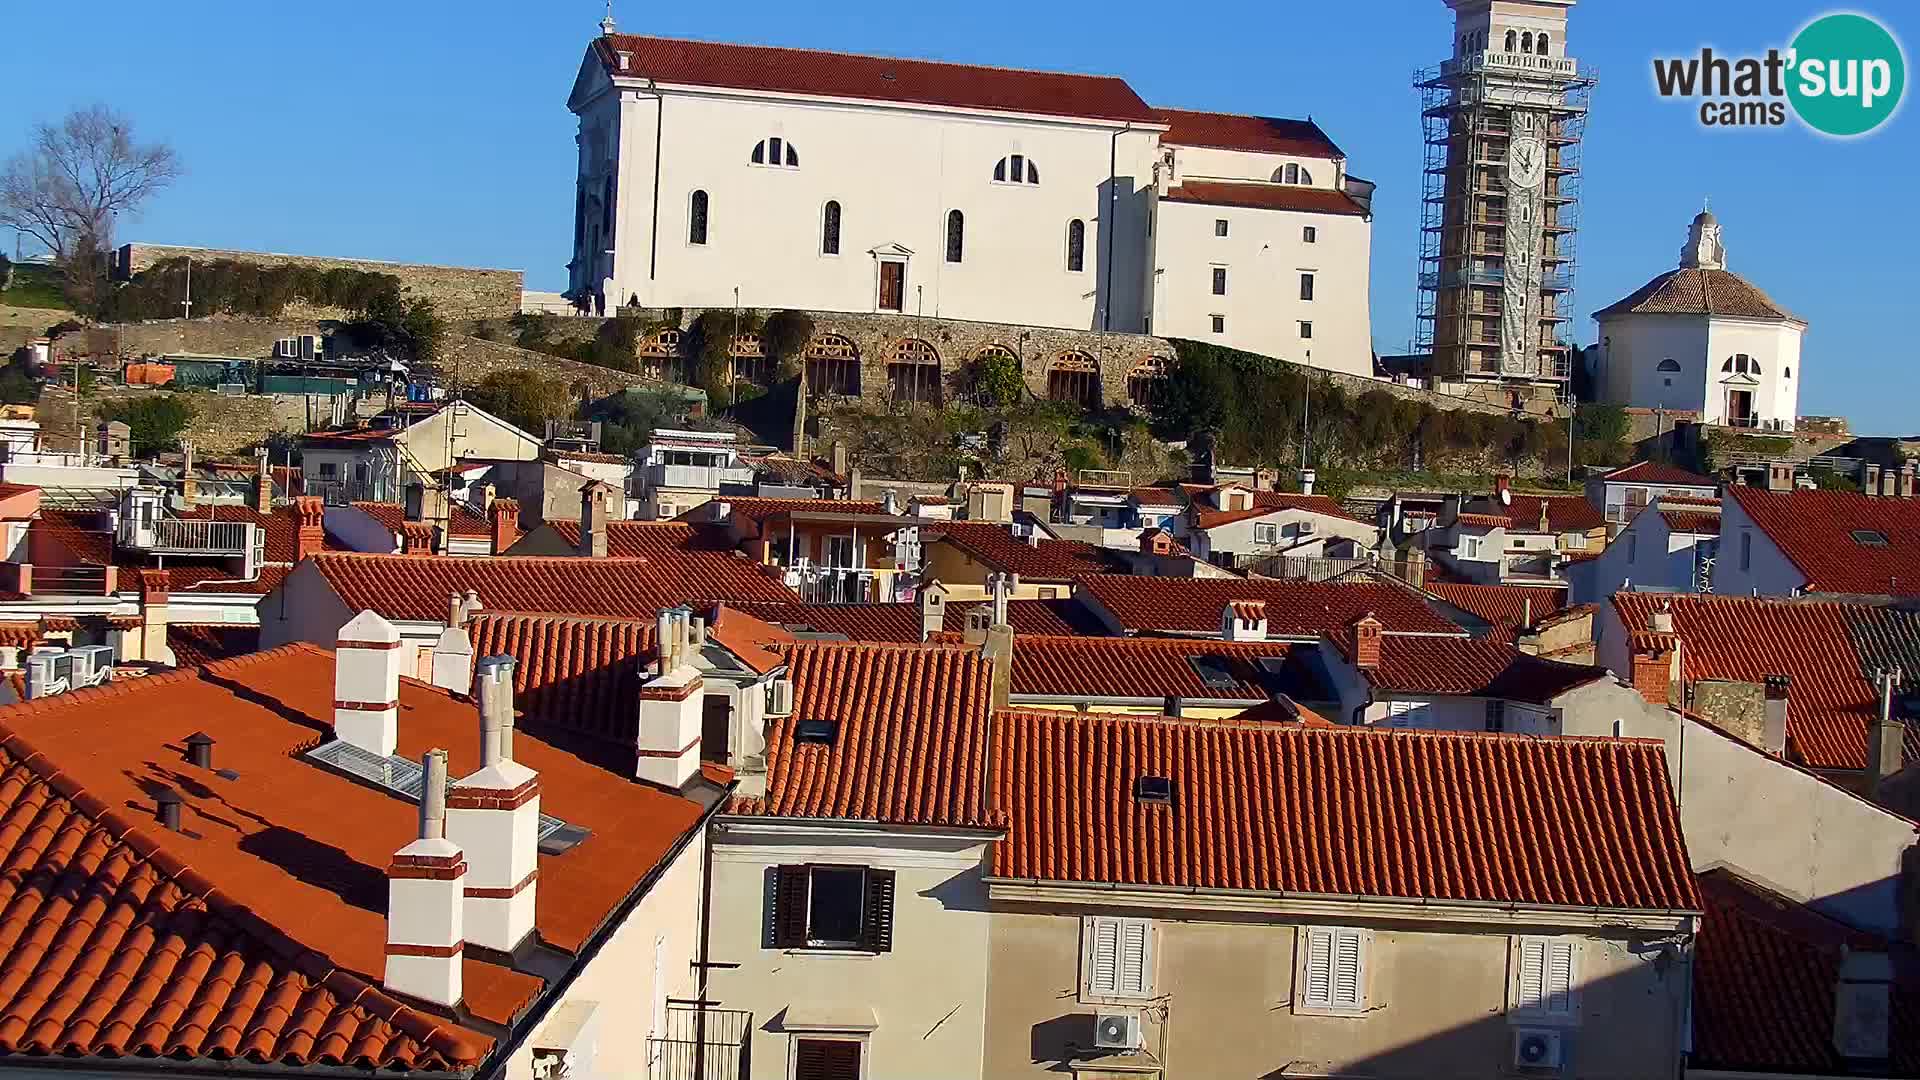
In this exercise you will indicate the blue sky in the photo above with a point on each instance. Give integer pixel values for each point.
(438, 132)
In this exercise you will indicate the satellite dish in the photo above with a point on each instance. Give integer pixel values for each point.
(1506, 497)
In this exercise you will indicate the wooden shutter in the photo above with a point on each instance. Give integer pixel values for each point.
(877, 931)
(1349, 977)
(1317, 975)
(789, 915)
(1103, 957)
(1530, 982)
(1135, 974)
(1559, 997)
(826, 1059)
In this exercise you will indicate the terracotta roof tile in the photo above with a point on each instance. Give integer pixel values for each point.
(758, 510)
(871, 78)
(464, 522)
(1688, 518)
(1658, 472)
(908, 743)
(416, 590)
(1340, 812)
(1294, 608)
(1830, 649)
(20, 635)
(287, 857)
(1565, 513)
(1156, 668)
(1158, 496)
(1698, 291)
(194, 644)
(652, 539)
(1253, 195)
(996, 547)
(859, 622)
(1257, 134)
(88, 536)
(1469, 667)
(1814, 530)
(1506, 607)
(1287, 500)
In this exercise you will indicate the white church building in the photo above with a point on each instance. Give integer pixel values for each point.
(714, 175)
(1703, 340)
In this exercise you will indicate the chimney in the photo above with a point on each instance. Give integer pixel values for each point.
(670, 708)
(1909, 478)
(262, 483)
(593, 520)
(470, 606)
(1416, 571)
(838, 458)
(310, 536)
(366, 684)
(1546, 521)
(1501, 483)
(1653, 658)
(933, 609)
(453, 658)
(1870, 481)
(166, 809)
(1862, 1008)
(494, 815)
(1307, 477)
(426, 901)
(1774, 732)
(979, 621)
(189, 484)
(1886, 737)
(200, 750)
(1366, 642)
(853, 483)
(153, 617)
(1243, 620)
(504, 518)
(1779, 476)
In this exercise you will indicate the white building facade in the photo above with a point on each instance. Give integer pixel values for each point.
(1703, 340)
(714, 175)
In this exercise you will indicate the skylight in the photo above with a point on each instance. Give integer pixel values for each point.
(1869, 538)
(815, 731)
(1215, 671)
(1153, 789)
(401, 777)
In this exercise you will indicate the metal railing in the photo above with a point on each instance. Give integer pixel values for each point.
(70, 580)
(1298, 567)
(680, 1052)
(201, 537)
(849, 584)
(343, 492)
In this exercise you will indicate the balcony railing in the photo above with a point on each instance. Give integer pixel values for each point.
(688, 1049)
(696, 477)
(70, 580)
(187, 536)
(850, 584)
(1299, 567)
(343, 492)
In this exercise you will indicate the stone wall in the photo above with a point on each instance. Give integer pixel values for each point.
(247, 338)
(464, 361)
(457, 292)
(222, 424)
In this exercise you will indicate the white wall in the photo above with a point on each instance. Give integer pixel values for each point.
(1764, 572)
(1635, 345)
(1238, 536)
(1648, 556)
(1264, 255)
(1776, 346)
(927, 995)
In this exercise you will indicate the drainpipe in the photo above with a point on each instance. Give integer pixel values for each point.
(1107, 226)
(659, 126)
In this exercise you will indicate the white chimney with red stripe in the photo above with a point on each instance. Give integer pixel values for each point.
(366, 684)
(426, 904)
(494, 816)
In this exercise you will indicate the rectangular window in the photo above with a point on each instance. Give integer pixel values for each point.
(827, 906)
(1117, 957)
(1408, 713)
(1219, 324)
(1309, 234)
(1496, 716)
(329, 470)
(1545, 971)
(1219, 281)
(826, 1059)
(1306, 286)
(1219, 226)
(1306, 331)
(1746, 551)
(1470, 547)
(1266, 534)
(1333, 971)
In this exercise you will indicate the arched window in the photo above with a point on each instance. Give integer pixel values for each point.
(777, 153)
(1513, 41)
(1147, 380)
(660, 355)
(956, 235)
(830, 228)
(1293, 173)
(833, 366)
(1074, 377)
(1526, 42)
(1016, 169)
(914, 372)
(697, 218)
(1076, 245)
(1741, 364)
(1540, 43)
(1669, 365)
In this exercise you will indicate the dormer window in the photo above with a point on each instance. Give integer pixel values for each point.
(776, 153)
(1292, 173)
(1016, 169)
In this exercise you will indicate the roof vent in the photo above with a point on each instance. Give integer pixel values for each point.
(166, 803)
(1154, 789)
(200, 750)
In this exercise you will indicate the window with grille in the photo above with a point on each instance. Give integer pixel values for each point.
(1076, 245)
(776, 153)
(1545, 974)
(697, 218)
(1117, 959)
(956, 235)
(826, 1059)
(830, 228)
(826, 906)
(1333, 970)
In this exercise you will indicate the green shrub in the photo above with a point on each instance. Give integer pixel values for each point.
(153, 423)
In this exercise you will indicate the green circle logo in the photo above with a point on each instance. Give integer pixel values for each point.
(1847, 76)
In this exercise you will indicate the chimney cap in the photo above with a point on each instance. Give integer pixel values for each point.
(199, 738)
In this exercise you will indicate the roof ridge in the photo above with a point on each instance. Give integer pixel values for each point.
(511, 560)
(1337, 730)
(873, 56)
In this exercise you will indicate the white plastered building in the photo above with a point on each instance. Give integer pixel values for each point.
(713, 175)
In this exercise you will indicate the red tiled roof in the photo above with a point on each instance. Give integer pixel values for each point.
(1154, 668)
(1658, 472)
(909, 742)
(416, 590)
(1830, 649)
(996, 547)
(464, 522)
(88, 536)
(1294, 608)
(575, 675)
(758, 510)
(859, 622)
(278, 928)
(1506, 607)
(1258, 196)
(1687, 519)
(1765, 972)
(657, 539)
(1287, 500)
(1158, 496)
(20, 635)
(1469, 667)
(871, 78)
(1346, 812)
(1565, 513)
(1058, 617)
(1257, 134)
(1814, 530)
(1698, 291)
(194, 644)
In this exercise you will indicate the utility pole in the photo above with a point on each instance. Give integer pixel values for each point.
(186, 306)
(1570, 411)
(1306, 415)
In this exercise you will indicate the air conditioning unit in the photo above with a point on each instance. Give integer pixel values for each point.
(48, 671)
(1116, 1031)
(92, 666)
(1537, 1049)
(780, 698)
(1307, 528)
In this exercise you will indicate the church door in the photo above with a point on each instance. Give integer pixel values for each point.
(893, 285)
(1740, 408)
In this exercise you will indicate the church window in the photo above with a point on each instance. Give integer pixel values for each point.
(1293, 173)
(1788, 372)
(1741, 364)
(1669, 364)
(1526, 42)
(830, 228)
(776, 153)
(1016, 169)
(1076, 245)
(697, 218)
(1540, 43)
(1513, 41)
(956, 235)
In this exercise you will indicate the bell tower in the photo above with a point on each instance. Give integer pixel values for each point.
(1705, 250)
(1503, 119)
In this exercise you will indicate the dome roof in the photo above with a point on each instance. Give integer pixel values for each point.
(1699, 291)
(1705, 217)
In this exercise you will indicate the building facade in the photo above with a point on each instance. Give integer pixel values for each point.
(715, 175)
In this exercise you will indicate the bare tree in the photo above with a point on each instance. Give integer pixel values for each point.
(66, 189)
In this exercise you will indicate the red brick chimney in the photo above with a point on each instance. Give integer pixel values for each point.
(263, 484)
(504, 518)
(1653, 652)
(311, 538)
(1366, 642)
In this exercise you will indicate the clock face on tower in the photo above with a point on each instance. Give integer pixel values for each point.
(1526, 161)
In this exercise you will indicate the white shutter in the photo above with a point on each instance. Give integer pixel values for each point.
(1119, 957)
(1134, 978)
(1559, 998)
(1332, 969)
(1530, 989)
(1349, 987)
(1317, 979)
(1103, 957)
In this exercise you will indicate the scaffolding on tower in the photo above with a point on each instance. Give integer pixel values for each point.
(1465, 109)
